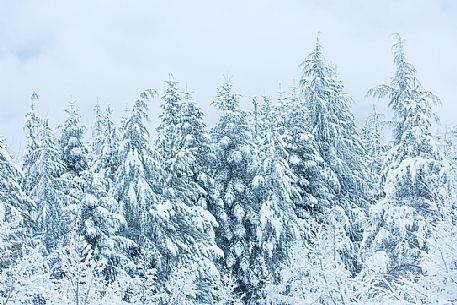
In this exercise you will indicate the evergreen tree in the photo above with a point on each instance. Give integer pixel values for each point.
(236, 210)
(134, 187)
(417, 181)
(51, 193)
(98, 131)
(313, 181)
(373, 142)
(333, 128)
(196, 140)
(188, 231)
(15, 210)
(107, 161)
(74, 153)
(32, 127)
(274, 188)
(447, 141)
(102, 228)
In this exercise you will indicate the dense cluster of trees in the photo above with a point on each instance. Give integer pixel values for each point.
(286, 204)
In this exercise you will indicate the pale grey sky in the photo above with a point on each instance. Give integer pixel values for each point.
(111, 50)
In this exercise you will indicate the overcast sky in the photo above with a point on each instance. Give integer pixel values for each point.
(111, 50)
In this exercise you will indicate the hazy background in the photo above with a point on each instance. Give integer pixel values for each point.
(111, 50)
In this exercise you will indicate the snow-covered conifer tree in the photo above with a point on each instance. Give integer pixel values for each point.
(333, 127)
(196, 140)
(187, 232)
(98, 131)
(134, 186)
(274, 189)
(236, 210)
(51, 192)
(73, 151)
(373, 142)
(312, 181)
(417, 182)
(103, 226)
(107, 161)
(32, 127)
(15, 210)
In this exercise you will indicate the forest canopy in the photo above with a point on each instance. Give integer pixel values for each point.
(291, 203)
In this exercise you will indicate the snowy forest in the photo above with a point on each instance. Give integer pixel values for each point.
(290, 203)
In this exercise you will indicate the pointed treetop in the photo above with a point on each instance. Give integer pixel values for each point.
(225, 99)
(398, 48)
(34, 96)
(318, 36)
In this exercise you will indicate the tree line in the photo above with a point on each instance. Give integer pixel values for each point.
(290, 203)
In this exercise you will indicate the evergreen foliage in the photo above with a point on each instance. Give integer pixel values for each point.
(73, 151)
(333, 128)
(286, 204)
(235, 209)
(51, 193)
(418, 183)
